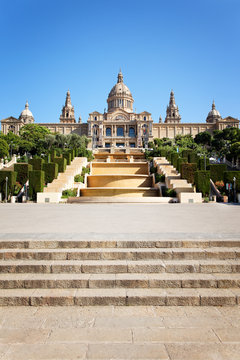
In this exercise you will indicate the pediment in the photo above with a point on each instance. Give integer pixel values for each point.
(145, 113)
(95, 113)
(230, 118)
(10, 119)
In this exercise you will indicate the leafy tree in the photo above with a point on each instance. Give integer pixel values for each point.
(203, 138)
(3, 148)
(34, 134)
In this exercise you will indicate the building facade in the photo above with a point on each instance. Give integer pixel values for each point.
(120, 126)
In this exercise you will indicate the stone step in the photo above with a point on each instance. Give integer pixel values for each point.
(121, 254)
(67, 244)
(144, 280)
(119, 191)
(120, 266)
(156, 297)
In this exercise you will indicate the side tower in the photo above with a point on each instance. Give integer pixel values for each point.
(68, 115)
(172, 113)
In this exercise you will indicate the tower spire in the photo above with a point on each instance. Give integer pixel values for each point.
(120, 76)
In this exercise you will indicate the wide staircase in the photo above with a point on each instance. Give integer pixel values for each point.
(72, 271)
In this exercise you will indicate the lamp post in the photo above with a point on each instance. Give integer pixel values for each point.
(6, 189)
(234, 189)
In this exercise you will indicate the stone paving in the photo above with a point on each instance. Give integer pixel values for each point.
(120, 332)
(169, 333)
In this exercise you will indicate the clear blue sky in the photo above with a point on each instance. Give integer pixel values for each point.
(48, 46)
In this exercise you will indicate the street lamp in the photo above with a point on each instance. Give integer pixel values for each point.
(234, 189)
(6, 189)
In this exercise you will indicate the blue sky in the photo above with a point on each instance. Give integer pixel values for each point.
(48, 46)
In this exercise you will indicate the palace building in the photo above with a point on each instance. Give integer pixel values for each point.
(120, 126)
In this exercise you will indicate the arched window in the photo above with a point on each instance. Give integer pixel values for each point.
(95, 118)
(131, 132)
(67, 114)
(120, 131)
(108, 131)
(144, 118)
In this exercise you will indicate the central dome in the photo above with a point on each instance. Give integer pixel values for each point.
(120, 96)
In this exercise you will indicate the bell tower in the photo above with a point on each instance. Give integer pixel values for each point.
(172, 113)
(67, 115)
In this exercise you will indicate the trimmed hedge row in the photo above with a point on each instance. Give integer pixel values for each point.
(62, 164)
(22, 171)
(36, 183)
(51, 171)
(37, 163)
(187, 172)
(180, 161)
(12, 176)
(217, 171)
(202, 181)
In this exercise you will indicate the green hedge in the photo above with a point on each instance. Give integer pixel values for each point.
(51, 172)
(192, 158)
(22, 171)
(47, 158)
(187, 171)
(36, 183)
(62, 164)
(180, 161)
(53, 154)
(186, 153)
(201, 163)
(228, 178)
(174, 159)
(202, 181)
(12, 176)
(217, 171)
(68, 156)
(37, 163)
(163, 153)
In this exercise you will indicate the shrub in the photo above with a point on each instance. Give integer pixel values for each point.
(68, 156)
(53, 154)
(202, 181)
(23, 159)
(62, 163)
(186, 153)
(69, 193)
(192, 158)
(47, 158)
(220, 186)
(180, 161)
(217, 171)
(85, 170)
(187, 172)
(168, 192)
(36, 183)
(169, 154)
(11, 175)
(174, 159)
(228, 178)
(163, 153)
(201, 162)
(22, 171)
(159, 178)
(37, 163)
(153, 169)
(78, 178)
(51, 171)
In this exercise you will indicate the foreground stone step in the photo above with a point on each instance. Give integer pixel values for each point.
(120, 254)
(162, 280)
(120, 266)
(67, 244)
(85, 297)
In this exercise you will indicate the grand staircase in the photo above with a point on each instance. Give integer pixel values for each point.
(41, 272)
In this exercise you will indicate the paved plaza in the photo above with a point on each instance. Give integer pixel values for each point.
(119, 332)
